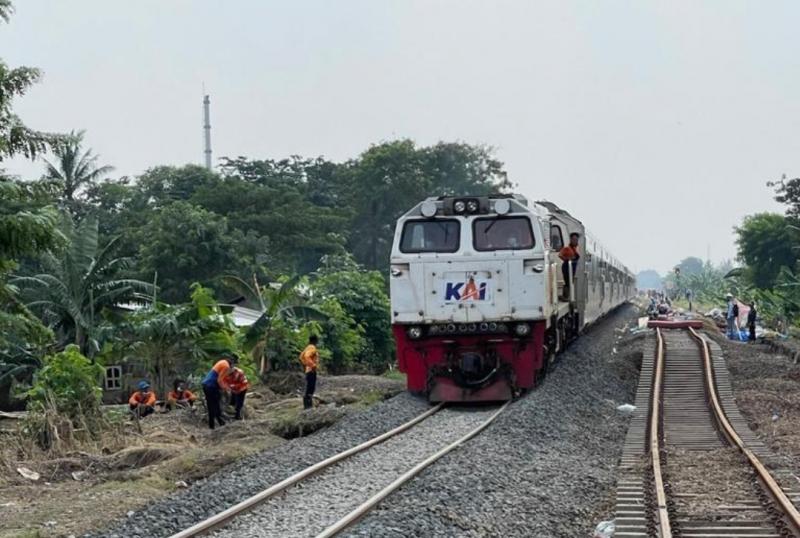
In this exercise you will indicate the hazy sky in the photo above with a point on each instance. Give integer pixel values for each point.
(656, 123)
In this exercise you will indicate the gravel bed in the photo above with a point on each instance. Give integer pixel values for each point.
(250, 475)
(310, 507)
(545, 468)
(705, 484)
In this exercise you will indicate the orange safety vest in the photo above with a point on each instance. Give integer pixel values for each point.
(309, 358)
(237, 381)
(138, 398)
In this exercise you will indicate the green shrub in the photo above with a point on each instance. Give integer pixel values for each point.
(65, 397)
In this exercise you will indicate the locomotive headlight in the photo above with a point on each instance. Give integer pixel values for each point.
(472, 206)
(415, 332)
(428, 209)
(522, 329)
(459, 206)
(502, 206)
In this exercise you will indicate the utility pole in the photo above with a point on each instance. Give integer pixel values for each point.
(207, 129)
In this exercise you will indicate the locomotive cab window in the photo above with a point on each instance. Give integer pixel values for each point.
(440, 235)
(508, 233)
(556, 238)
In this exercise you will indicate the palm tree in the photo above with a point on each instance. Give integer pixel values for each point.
(76, 284)
(74, 169)
(280, 302)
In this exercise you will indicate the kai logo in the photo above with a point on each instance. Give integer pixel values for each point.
(466, 291)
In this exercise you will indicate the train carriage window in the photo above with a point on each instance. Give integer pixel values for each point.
(438, 235)
(507, 233)
(556, 238)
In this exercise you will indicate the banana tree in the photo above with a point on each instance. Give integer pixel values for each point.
(76, 284)
(279, 303)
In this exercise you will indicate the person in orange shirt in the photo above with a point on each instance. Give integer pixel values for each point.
(180, 396)
(569, 256)
(143, 401)
(238, 385)
(213, 385)
(309, 358)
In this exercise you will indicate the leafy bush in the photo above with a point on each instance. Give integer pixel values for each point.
(362, 296)
(65, 397)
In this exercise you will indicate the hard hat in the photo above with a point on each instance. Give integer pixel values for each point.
(144, 385)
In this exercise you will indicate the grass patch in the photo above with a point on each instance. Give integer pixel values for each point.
(397, 375)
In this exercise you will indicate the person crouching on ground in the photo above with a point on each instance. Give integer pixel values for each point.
(238, 385)
(213, 385)
(180, 396)
(309, 358)
(143, 401)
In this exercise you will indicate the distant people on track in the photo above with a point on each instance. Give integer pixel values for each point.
(143, 401)
(180, 396)
(689, 298)
(569, 257)
(238, 385)
(731, 317)
(751, 322)
(309, 358)
(213, 385)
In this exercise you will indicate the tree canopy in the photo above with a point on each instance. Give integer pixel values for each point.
(767, 242)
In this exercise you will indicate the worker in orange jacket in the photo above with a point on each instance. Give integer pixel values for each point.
(238, 385)
(143, 401)
(309, 358)
(213, 384)
(180, 396)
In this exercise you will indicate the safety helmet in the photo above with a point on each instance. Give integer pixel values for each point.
(144, 385)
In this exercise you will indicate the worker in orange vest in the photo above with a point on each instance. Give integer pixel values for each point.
(143, 401)
(180, 396)
(309, 358)
(213, 384)
(238, 385)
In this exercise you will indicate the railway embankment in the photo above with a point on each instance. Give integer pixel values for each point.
(766, 385)
(93, 486)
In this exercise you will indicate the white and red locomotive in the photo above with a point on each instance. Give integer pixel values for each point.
(476, 292)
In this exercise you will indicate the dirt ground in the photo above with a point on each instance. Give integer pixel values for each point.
(766, 385)
(92, 486)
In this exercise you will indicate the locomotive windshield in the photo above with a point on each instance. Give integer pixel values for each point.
(503, 233)
(441, 235)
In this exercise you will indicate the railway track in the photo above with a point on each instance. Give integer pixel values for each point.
(328, 497)
(691, 467)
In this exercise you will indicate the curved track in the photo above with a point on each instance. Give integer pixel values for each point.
(326, 498)
(691, 467)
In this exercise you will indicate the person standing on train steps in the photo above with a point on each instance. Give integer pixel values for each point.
(569, 257)
(213, 384)
(309, 358)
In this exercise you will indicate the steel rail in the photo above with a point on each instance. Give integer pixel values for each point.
(369, 504)
(218, 520)
(769, 483)
(664, 528)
